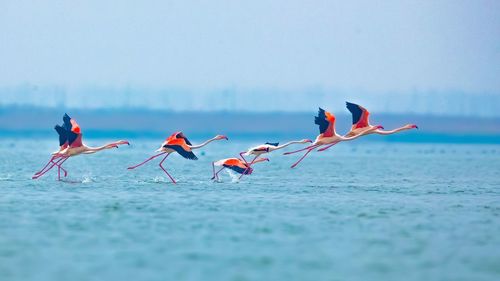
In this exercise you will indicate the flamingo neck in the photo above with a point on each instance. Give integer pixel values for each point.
(389, 132)
(203, 144)
(285, 145)
(90, 150)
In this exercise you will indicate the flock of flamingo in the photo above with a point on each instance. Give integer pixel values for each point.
(71, 144)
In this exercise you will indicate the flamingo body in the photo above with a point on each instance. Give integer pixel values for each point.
(179, 143)
(235, 164)
(240, 166)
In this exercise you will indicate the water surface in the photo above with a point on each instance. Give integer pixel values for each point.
(360, 211)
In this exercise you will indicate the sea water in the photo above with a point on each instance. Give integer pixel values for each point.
(359, 211)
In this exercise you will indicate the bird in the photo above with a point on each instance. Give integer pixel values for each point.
(266, 148)
(177, 142)
(238, 165)
(328, 136)
(361, 122)
(71, 144)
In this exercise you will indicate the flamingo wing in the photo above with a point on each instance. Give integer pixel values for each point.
(325, 120)
(237, 165)
(181, 147)
(69, 131)
(180, 135)
(63, 135)
(359, 115)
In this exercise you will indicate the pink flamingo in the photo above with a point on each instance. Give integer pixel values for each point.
(266, 148)
(71, 144)
(177, 142)
(360, 124)
(235, 164)
(326, 122)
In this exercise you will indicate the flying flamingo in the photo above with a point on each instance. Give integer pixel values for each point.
(70, 144)
(266, 148)
(235, 164)
(326, 122)
(360, 124)
(177, 142)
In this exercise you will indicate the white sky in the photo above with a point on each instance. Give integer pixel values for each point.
(364, 47)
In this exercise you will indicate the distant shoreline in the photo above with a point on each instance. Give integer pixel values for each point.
(142, 123)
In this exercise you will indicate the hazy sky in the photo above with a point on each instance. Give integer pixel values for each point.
(351, 46)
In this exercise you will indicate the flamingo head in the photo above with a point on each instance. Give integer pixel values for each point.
(221, 137)
(306, 141)
(379, 127)
(116, 144)
(412, 126)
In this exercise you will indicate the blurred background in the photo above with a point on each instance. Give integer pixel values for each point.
(246, 68)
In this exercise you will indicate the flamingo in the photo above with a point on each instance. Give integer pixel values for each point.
(177, 142)
(238, 165)
(360, 124)
(71, 144)
(326, 122)
(266, 148)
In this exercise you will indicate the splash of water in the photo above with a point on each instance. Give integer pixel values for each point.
(88, 179)
(234, 176)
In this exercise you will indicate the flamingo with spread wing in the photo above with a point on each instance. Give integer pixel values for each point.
(238, 165)
(177, 142)
(71, 144)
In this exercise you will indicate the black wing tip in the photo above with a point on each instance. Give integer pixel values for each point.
(273, 143)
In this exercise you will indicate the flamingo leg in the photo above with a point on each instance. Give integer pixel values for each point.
(161, 166)
(48, 163)
(59, 168)
(302, 158)
(147, 160)
(327, 147)
(216, 174)
(36, 176)
(241, 154)
(249, 165)
(307, 148)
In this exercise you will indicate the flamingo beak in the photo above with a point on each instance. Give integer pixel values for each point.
(224, 137)
(267, 159)
(415, 126)
(380, 127)
(309, 141)
(126, 142)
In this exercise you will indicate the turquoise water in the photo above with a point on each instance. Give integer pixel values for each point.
(361, 211)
